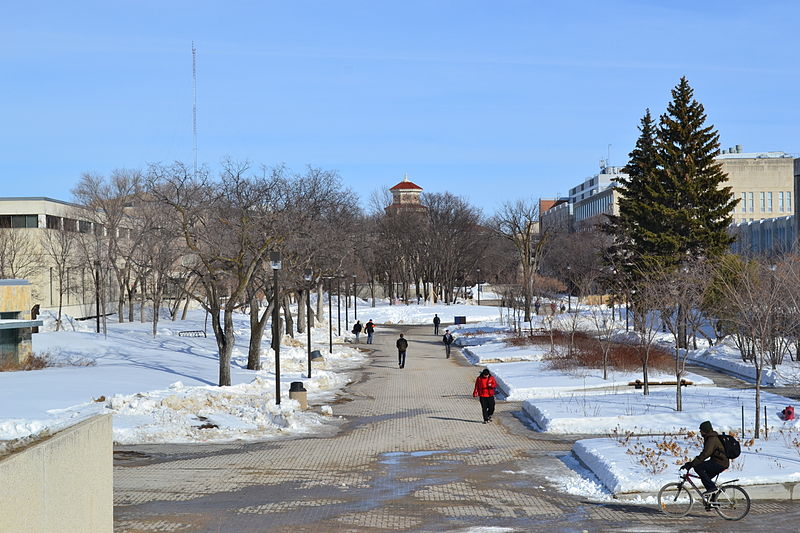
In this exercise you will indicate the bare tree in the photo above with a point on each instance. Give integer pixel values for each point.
(60, 248)
(19, 255)
(518, 222)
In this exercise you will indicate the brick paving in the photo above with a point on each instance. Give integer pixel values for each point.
(412, 455)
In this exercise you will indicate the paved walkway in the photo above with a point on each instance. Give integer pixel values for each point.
(413, 455)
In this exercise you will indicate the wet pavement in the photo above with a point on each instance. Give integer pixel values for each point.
(411, 454)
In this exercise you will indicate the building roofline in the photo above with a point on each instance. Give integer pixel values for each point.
(37, 199)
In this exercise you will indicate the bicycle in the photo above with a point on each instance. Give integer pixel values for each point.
(731, 502)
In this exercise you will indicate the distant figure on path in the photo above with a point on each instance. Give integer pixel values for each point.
(402, 346)
(536, 306)
(370, 329)
(447, 339)
(357, 330)
(552, 308)
(436, 322)
(485, 387)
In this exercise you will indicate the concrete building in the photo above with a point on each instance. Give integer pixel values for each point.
(762, 182)
(767, 236)
(405, 198)
(555, 216)
(27, 224)
(16, 324)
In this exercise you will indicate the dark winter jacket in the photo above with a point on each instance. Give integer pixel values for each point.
(402, 344)
(369, 328)
(713, 448)
(447, 338)
(357, 328)
(436, 320)
(484, 386)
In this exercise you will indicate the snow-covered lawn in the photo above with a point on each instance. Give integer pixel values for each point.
(599, 414)
(727, 358)
(535, 379)
(163, 388)
(384, 313)
(645, 464)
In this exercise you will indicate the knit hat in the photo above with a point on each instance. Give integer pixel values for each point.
(705, 427)
(485, 372)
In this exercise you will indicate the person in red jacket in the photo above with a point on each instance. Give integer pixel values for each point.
(485, 386)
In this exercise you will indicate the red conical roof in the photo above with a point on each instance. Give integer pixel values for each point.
(405, 184)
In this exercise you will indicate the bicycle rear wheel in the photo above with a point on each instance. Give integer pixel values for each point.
(675, 500)
(732, 502)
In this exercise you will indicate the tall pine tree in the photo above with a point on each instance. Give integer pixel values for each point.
(674, 205)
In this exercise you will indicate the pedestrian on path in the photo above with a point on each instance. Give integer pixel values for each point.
(485, 387)
(436, 322)
(357, 330)
(402, 346)
(370, 329)
(447, 339)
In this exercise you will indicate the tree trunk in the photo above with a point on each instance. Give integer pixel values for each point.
(301, 311)
(156, 311)
(759, 370)
(678, 391)
(287, 316)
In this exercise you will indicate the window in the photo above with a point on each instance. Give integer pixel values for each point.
(744, 202)
(761, 201)
(53, 222)
(84, 226)
(788, 201)
(769, 201)
(19, 221)
(5, 221)
(780, 201)
(70, 224)
(750, 198)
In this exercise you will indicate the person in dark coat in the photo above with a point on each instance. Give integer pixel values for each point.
(402, 346)
(447, 339)
(369, 328)
(711, 461)
(357, 330)
(485, 387)
(436, 322)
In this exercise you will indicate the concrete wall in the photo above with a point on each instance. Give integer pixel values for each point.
(64, 483)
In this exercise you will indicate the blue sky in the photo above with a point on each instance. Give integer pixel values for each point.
(490, 100)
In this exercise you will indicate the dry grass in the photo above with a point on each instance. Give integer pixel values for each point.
(34, 362)
(587, 352)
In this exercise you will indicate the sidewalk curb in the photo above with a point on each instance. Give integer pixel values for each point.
(773, 491)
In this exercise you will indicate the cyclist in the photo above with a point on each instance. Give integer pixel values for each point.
(711, 461)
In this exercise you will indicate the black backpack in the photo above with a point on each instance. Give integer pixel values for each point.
(732, 447)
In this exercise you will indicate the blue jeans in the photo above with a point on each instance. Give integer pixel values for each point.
(707, 470)
(369, 338)
(401, 358)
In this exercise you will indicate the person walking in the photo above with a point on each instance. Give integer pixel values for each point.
(402, 346)
(711, 461)
(537, 305)
(369, 328)
(447, 339)
(436, 322)
(357, 330)
(485, 387)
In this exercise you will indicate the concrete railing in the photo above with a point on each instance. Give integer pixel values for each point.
(63, 483)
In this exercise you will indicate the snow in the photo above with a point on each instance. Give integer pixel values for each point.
(534, 379)
(600, 414)
(727, 358)
(163, 388)
(423, 314)
(620, 470)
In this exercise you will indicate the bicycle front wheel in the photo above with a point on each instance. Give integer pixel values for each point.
(732, 502)
(675, 500)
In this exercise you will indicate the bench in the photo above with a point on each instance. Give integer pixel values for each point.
(197, 333)
(639, 383)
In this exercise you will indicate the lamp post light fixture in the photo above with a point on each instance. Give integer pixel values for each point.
(275, 263)
(307, 275)
(479, 286)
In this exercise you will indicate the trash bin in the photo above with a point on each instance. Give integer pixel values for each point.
(459, 320)
(316, 355)
(299, 393)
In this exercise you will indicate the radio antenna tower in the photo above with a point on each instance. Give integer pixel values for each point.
(194, 107)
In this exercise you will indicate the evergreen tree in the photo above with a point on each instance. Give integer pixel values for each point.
(699, 206)
(673, 206)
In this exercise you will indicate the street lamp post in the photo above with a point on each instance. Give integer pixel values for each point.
(346, 302)
(355, 299)
(330, 314)
(479, 286)
(338, 307)
(97, 292)
(569, 288)
(307, 275)
(275, 263)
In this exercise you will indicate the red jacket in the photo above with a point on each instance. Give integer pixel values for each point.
(484, 386)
